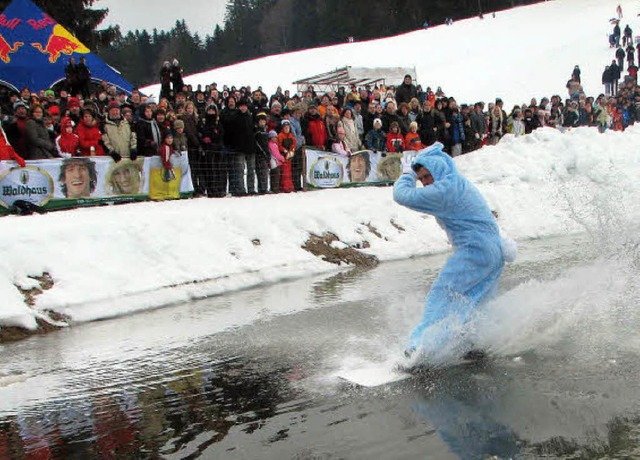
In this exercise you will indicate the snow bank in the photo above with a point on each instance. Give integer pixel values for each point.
(116, 260)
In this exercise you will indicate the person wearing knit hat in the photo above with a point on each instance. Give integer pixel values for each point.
(20, 103)
(275, 162)
(376, 138)
(180, 141)
(73, 102)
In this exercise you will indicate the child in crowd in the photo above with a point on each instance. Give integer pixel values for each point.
(67, 143)
(412, 140)
(395, 140)
(276, 161)
(376, 138)
(287, 147)
(165, 151)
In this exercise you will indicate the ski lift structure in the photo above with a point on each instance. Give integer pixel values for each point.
(358, 76)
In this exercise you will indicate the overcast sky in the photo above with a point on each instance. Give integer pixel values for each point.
(200, 15)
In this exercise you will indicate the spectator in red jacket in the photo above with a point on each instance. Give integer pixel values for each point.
(314, 128)
(90, 135)
(7, 152)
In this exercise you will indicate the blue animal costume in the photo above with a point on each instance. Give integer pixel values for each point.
(470, 276)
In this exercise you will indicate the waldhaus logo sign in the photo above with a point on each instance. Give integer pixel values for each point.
(327, 172)
(30, 184)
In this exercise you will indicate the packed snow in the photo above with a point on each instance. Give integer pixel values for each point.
(116, 260)
(522, 53)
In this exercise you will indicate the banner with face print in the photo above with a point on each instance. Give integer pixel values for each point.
(77, 181)
(365, 167)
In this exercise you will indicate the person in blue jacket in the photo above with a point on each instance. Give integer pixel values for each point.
(470, 276)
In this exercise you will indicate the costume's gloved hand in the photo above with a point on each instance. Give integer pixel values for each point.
(406, 164)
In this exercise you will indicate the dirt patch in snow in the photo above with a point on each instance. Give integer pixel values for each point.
(46, 322)
(326, 248)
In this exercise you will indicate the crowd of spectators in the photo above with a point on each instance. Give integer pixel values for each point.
(240, 141)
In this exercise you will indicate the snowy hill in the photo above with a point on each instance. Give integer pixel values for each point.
(522, 53)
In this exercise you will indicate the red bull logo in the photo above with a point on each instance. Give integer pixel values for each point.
(60, 42)
(6, 49)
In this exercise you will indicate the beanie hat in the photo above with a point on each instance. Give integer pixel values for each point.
(54, 110)
(178, 124)
(20, 103)
(261, 115)
(211, 107)
(49, 92)
(377, 121)
(285, 122)
(272, 134)
(73, 102)
(413, 124)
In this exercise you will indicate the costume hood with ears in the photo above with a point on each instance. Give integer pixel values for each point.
(439, 164)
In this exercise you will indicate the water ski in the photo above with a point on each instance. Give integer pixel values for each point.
(377, 374)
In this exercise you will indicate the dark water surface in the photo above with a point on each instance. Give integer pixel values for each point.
(251, 375)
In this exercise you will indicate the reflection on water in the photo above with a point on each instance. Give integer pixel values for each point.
(158, 419)
(264, 389)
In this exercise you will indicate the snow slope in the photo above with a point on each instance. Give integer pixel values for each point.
(522, 53)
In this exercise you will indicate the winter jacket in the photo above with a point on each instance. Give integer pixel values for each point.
(210, 133)
(457, 129)
(426, 125)
(275, 153)
(39, 143)
(191, 130)
(413, 142)
(315, 131)
(118, 137)
(148, 137)
(404, 93)
(376, 140)
(351, 131)
(395, 142)
(89, 136)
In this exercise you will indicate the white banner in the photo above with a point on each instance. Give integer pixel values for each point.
(327, 170)
(86, 178)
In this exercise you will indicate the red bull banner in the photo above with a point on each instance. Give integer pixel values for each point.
(365, 167)
(80, 181)
(35, 49)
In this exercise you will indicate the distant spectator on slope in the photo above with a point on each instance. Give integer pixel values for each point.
(627, 38)
(620, 55)
(617, 33)
(575, 74)
(607, 80)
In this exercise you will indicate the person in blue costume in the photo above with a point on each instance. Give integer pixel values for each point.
(470, 276)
